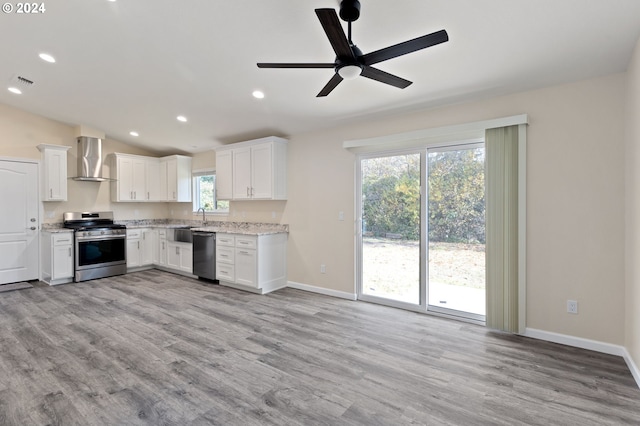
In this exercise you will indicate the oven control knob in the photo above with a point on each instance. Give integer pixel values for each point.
(101, 232)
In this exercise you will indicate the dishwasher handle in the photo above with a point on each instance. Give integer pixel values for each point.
(203, 234)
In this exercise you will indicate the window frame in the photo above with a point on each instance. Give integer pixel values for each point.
(195, 176)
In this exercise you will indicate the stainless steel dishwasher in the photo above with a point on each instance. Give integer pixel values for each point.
(204, 254)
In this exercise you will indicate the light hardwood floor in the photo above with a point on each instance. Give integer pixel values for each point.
(154, 348)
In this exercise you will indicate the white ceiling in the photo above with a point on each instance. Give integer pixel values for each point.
(137, 64)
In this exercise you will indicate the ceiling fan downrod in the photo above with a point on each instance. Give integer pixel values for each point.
(349, 12)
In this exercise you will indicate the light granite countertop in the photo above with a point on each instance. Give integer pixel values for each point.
(245, 228)
(54, 229)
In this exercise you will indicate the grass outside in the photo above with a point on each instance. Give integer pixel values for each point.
(391, 268)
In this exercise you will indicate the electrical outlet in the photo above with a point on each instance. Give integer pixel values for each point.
(341, 216)
(323, 269)
(572, 306)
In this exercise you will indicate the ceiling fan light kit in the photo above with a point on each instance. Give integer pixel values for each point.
(350, 62)
(350, 72)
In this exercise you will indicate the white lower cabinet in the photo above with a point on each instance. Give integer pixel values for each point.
(57, 257)
(140, 247)
(180, 256)
(256, 263)
(161, 252)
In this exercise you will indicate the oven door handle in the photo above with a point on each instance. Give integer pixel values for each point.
(101, 238)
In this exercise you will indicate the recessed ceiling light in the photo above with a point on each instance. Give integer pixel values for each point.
(181, 118)
(134, 133)
(15, 90)
(258, 94)
(47, 57)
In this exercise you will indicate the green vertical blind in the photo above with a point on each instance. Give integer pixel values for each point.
(501, 145)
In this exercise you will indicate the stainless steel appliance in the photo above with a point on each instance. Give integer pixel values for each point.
(90, 160)
(204, 254)
(100, 245)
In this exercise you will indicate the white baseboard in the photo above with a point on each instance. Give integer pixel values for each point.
(635, 371)
(589, 344)
(322, 290)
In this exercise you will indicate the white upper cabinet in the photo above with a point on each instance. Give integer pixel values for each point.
(178, 172)
(241, 173)
(155, 189)
(54, 172)
(254, 170)
(131, 178)
(224, 175)
(148, 179)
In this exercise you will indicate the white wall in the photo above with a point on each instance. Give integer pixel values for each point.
(632, 296)
(575, 246)
(20, 134)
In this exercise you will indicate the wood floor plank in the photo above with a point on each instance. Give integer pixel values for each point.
(154, 348)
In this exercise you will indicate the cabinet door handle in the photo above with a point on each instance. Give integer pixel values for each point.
(50, 192)
(163, 245)
(138, 245)
(243, 252)
(174, 195)
(148, 196)
(69, 251)
(177, 250)
(247, 191)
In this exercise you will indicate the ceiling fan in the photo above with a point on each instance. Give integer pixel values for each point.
(350, 62)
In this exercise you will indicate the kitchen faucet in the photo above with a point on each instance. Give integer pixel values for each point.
(203, 218)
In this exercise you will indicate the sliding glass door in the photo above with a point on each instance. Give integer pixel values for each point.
(456, 231)
(421, 240)
(391, 212)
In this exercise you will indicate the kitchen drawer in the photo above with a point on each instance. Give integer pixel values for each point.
(133, 234)
(225, 240)
(225, 272)
(246, 242)
(225, 255)
(65, 239)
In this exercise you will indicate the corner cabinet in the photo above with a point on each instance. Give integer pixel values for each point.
(131, 178)
(252, 170)
(149, 179)
(54, 172)
(256, 263)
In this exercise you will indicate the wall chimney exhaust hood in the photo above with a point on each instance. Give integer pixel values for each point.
(90, 160)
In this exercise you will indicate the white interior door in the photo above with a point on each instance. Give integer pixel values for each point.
(19, 222)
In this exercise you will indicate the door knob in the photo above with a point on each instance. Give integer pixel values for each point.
(33, 219)
(33, 228)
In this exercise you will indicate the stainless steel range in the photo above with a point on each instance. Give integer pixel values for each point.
(101, 248)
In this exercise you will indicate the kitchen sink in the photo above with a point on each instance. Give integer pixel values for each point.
(180, 234)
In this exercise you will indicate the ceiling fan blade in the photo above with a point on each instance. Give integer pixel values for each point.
(294, 65)
(384, 77)
(405, 47)
(335, 80)
(331, 24)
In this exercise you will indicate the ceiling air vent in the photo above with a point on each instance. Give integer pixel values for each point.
(20, 82)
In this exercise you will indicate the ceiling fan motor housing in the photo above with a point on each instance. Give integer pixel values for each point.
(349, 10)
